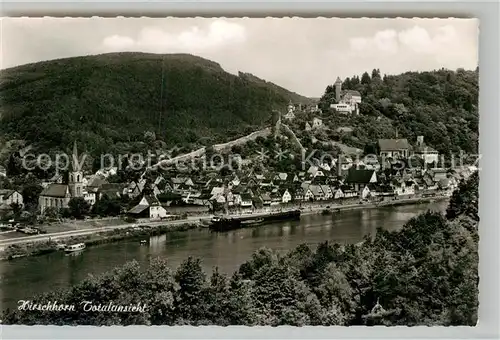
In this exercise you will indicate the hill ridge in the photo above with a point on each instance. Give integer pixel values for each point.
(108, 101)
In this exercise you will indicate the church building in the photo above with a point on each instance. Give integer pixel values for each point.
(58, 195)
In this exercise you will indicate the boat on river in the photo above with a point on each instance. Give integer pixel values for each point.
(225, 223)
(252, 223)
(74, 247)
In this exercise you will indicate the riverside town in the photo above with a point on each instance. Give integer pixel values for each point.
(175, 188)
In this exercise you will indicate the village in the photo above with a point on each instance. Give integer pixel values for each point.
(171, 194)
(150, 194)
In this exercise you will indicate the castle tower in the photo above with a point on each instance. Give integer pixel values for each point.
(75, 182)
(338, 89)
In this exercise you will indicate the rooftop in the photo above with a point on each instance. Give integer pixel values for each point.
(55, 190)
(393, 144)
(361, 176)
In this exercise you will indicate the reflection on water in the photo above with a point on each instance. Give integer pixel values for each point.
(75, 253)
(23, 277)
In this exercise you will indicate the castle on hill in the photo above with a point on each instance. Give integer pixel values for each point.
(347, 100)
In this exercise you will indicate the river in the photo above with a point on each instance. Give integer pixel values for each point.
(23, 277)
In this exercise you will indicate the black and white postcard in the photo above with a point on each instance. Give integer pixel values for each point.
(239, 171)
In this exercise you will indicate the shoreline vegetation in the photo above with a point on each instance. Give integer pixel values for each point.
(37, 248)
(136, 231)
(425, 273)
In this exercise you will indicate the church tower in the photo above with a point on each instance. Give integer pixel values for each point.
(338, 89)
(75, 182)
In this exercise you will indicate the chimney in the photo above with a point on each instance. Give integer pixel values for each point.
(420, 140)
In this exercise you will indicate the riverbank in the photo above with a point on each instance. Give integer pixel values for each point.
(331, 208)
(44, 244)
(37, 248)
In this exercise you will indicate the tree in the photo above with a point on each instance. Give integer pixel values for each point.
(365, 78)
(51, 212)
(105, 206)
(464, 201)
(14, 165)
(16, 210)
(376, 73)
(78, 207)
(149, 137)
(425, 273)
(218, 299)
(191, 296)
(241, 306)
(31, 194)
(159, 288)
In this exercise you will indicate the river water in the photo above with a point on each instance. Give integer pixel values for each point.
(21, 278)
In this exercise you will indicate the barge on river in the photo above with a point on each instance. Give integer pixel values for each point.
(222, 223)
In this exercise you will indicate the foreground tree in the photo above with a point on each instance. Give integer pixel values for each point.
(78, 207)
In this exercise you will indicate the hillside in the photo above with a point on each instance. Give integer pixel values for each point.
(441, 105)
(107, 102)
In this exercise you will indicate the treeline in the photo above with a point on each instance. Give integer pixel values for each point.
(107, 102)
(424, 274)
(441, 105)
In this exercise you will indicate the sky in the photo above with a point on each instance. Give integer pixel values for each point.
(302, 55)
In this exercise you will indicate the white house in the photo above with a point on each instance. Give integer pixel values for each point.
(246, 201)
(317, 192)
(337, 193)
(365, 192)
(149, 207)
(326, 166)
(428, 154)
(9, 197)
(316, 123)
(290, 111)
(285, 196)
(327, 192)
(89, 197)
(404, 188)
(315, 171)
(308, 195)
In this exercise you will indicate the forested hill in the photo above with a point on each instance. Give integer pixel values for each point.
(441, 105)
(113, 99)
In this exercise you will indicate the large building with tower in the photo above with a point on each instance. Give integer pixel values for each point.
(347, 100)
(57, 195)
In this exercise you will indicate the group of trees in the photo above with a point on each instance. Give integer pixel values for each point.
(107, 102)
(79, 208)
(441, 105)
(424, 274)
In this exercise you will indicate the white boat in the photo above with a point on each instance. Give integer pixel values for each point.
(216, 219)
(61, 246)
(74, 247)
